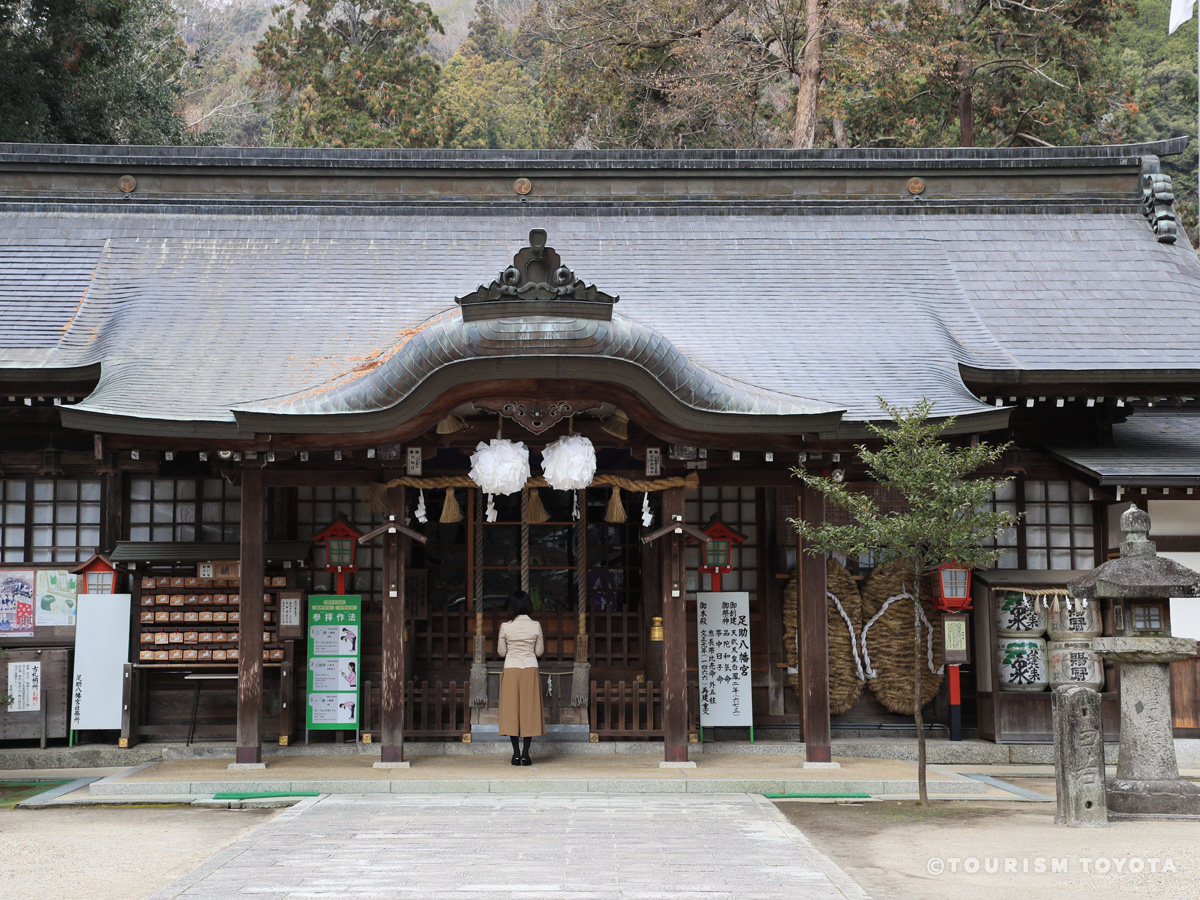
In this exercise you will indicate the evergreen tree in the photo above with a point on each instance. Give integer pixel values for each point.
(948, 518)
(90, 72)
(1161, 70)
(354, 73)
(490, 97)
(1001, 73)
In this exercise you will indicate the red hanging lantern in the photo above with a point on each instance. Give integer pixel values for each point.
(96, 576)
(715, 559)
(341, 544)
(952, 587)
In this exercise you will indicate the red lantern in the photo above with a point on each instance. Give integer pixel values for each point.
(717, 551)
(952, 587)
(341, 542)
(96, 576)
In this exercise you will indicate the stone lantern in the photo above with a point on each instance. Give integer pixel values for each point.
(1139, 586)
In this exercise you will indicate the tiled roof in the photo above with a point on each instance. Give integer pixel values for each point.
(1147, 449)
(41, 287)
(193, 315)
(329, 158)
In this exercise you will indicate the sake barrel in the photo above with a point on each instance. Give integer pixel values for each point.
(1019, 614)
(1075, 662)
(1022, 663)
(1070, 620)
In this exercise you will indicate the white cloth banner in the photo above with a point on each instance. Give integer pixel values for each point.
(1181, 11)
(723, 623)
(101, 651)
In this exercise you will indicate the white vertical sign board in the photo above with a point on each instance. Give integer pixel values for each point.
(723, 623)
(101, 651)
(25, 686)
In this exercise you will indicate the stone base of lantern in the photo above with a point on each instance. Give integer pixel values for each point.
(1130, 799)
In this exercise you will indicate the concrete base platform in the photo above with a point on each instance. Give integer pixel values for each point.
(627, 774)
(940, 751)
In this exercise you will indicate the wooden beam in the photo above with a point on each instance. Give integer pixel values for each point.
(676, 526)
(1173, 543)
(391, 527)
(674, 692)
(250, 625)
(324, 477)
(814, 640)
(391, 689)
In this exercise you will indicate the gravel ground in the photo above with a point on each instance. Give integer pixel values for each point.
(898, 851)
(110, 853)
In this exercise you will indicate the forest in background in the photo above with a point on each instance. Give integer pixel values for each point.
(511, 74)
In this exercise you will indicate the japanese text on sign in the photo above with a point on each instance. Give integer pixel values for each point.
(334, 660)
(25, 686)
(723, 623)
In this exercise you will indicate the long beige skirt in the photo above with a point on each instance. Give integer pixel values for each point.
(521, 703)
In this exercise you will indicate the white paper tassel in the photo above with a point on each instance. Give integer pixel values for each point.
(491, 509)
(575, 504)
(647, 516)
(420, 510)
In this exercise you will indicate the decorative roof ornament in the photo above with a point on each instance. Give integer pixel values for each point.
(1158, 205)
(537, 284)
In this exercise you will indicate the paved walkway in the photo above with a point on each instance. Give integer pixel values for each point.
(590, 847)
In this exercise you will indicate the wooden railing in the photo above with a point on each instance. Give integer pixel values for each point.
(626, 709)
(438, 710)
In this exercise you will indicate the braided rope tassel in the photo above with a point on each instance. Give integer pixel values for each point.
(581, 686)
(525, 539)
(479, 662)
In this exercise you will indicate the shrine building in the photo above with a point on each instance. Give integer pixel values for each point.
(224, 368)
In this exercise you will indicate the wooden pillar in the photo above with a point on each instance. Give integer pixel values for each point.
(128, 701)
(391, 689)
(250, 625)
(287, 693)
(770, 598)
(674, 689)
(112, 486)
(814, 643)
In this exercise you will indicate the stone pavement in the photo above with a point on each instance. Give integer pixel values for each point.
(513, 847)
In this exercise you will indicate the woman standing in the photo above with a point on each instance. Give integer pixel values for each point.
(520, 644)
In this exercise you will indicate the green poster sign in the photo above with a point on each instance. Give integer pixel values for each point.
(334, 661)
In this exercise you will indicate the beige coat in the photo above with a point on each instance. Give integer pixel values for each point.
(521, 643)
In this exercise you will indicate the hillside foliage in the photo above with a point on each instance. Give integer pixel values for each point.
(601, 73)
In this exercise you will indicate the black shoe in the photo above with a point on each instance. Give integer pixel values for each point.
(526, 761)
(516, 760)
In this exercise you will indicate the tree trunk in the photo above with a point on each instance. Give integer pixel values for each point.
(922, 786)
(966, 105)
(804, 129)
(964, 102)
(839, 133)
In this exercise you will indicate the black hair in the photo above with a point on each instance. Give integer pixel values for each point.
(520, 604)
